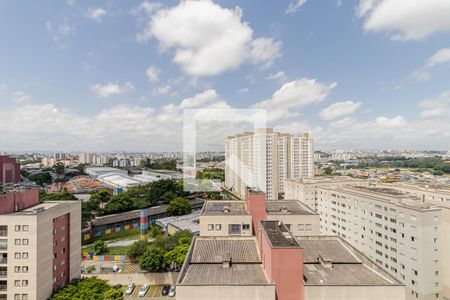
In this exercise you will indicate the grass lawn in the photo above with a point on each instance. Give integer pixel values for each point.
(115, 250)
(117, 236)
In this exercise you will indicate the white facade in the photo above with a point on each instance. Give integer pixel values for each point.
(266, 159)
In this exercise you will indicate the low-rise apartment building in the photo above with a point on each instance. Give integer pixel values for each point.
(404, 234)
(40, 245)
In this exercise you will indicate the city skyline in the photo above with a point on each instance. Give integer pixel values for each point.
(90, 77)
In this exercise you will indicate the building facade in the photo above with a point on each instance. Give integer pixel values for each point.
(40, 245)
(404, 234)
(266, 159)
(9, 170)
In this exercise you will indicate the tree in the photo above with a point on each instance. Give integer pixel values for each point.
(41, 178)
(100, 247)
(180, 237)
(137, 249)
(179, 206)
(58, 196)
(153, 260)
(88, 288)
(59, 168)
(177, 255)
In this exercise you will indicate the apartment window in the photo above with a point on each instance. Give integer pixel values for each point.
(63, 228)
(246, 227)
(308, 227)
(63, 239)
(16, 296)
(16, 282)
(218, 227)
(4, 230)
(17, 255)
(210, 227)
(24, 255)
(436, 273)
(16, 269)
(413, 218)
(17, 242)
(25, 242)
(288, 226)
(25, 227)
(17, 228)
(24, 296)
(63, 262)
(415, 272)
(234, 229)
(25, 269)
(63, 250)
(301, 227)
(24, 282)
(55, 255)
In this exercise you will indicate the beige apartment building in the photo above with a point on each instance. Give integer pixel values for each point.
(304, 189)
(266, 159)
(40, 249)
(404, 234)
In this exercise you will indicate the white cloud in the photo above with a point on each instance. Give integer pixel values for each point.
(280, 76)
(95, 13)
(152, 73)
(243, 91)
(110, 89)
(61, 32)
(437, 107)
(440, 57)
(208, 39)
(294, 6)
(405, 19)
(162, 90)
(20, 97)
(146, 7)
(297, 93)
(339, 109)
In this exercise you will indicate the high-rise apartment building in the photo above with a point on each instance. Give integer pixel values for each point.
(40, 244)
(407, 234)
(9, 170)
(266, 159)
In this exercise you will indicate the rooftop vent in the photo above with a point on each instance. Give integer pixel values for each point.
(284, 209)
(325, 262)
(226, 261)
(226, 209)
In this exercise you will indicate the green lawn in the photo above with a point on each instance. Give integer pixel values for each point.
(117, 236)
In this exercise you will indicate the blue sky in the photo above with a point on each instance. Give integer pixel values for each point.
(116, 75)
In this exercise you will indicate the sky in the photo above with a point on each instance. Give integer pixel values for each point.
(119, 75)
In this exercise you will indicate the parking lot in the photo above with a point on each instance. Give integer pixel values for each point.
(154, 293)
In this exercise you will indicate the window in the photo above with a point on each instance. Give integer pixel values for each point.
(24, 255)
(24, 282)
(16, 296)
(17, 255)
(16, 269)
(63, 239)
(16, 282)
(17, 242)
(301, 227)
(246, 227)
(210, 227)
(24, 296)
(308, 227)
(413, 218)
(234, 229)
(17, 228)
(415, 272)
(3, 230)
(24, 227)
(25, 269)
(25, 242)
(288, 226)
(63, 262)
(63, 228)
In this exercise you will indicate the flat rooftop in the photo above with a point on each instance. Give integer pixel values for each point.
(278, 235)
(219, 208)
(288, 207)
(43, 207)
(205, 262)
(329, 260)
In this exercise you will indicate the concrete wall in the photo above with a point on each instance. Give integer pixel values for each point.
(354, 293)
(137, 278)
(224, 221)
(295, 220)
(262, 292)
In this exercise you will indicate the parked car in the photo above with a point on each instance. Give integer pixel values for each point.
(143, 290)
(130, 289)
(172, 291)
(165, 290)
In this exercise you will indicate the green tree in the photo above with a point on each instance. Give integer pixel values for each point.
(88, 288)
(137, 249)
(179, 206)
(58, 196)
(59, 168)
(180, 237)
(177, 255)
(100, 247)
(41, 178)
(153, 260)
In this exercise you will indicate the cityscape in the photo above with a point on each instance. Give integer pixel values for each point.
(229, 150)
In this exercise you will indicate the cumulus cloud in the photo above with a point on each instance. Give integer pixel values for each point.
(152, 73)
(436, 107)
(339, 109)
(405, 19)
(294, 6)
(280, 76)
(208, 39)
(95, 13)
(110, 89)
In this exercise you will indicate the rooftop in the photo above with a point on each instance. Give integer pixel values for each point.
(288, 207)
(43, 207)
(217, 208)
(212, 249)
(214, 274)
(278, 235)
(187, 222)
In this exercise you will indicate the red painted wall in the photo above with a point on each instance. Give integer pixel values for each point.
(256, 206)
(9, 170)
(61, 250)
(13, 201)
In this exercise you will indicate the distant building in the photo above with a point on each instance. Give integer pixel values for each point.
(9, 170)
(266, 159)
(40, 244)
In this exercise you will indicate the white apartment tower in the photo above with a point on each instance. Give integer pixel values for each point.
(266, 159)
